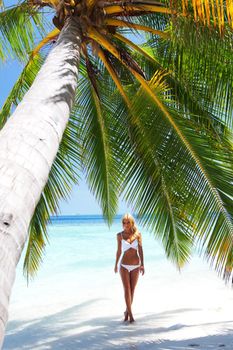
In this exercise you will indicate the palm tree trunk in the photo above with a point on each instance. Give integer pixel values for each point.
(28, 145)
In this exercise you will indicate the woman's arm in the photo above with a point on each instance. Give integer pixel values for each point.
(140, 252)
(118, 253)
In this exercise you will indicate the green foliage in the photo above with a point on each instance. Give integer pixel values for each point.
(20, 27)
(100, 162)
(202, 62)
(21, 86)
(195, 181)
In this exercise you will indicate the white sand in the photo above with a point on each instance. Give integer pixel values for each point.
(193, 310)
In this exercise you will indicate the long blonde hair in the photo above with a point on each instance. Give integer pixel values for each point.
(131, 219)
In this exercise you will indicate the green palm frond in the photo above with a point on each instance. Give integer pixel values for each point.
(149, 193)
(202, 63)
(145, 186)
(200, 192)
(183, 99)
(21, 86)
(135, 48)
(19, 29)
(216, 156)
(37, 239)
(160, 22)
(99, 162)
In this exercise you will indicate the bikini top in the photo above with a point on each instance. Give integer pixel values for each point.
(125, 245)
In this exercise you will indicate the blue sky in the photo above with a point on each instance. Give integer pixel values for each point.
(81, 200)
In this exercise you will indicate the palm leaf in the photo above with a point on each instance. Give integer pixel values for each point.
(147, 190)
(210, 12)
(127, 24)
(202, 63)
(21, 86)
(200, 199)
(99, 163)
(19, 28)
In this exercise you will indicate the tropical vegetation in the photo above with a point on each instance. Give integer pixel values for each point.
(143, 92)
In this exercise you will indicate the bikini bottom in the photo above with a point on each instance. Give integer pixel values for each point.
(130, 267)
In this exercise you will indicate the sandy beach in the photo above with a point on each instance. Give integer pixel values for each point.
(181, 313)
(80, 305)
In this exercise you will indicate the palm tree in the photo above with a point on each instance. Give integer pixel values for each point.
(148, 120)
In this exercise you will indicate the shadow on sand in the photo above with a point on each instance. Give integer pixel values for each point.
(67, 330)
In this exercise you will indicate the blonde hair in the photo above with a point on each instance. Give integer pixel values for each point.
(133, 226)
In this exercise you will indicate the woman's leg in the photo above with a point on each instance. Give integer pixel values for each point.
(125, 276)
(133, 281)
(134, 274)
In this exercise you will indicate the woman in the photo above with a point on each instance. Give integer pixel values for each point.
(129, 248)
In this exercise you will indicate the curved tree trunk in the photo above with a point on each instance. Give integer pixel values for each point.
(28, 145)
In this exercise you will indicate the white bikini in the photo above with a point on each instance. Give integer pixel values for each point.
(125, 245)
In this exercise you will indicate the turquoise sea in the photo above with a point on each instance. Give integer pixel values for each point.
(86, 242)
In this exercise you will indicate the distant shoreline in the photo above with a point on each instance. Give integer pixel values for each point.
(80, 217)
(55, 217)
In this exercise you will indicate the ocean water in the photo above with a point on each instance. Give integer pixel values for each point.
(84, 245)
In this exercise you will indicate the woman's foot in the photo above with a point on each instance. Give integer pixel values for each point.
(130, 317)
(126, 316)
